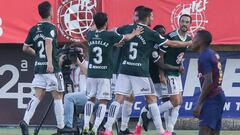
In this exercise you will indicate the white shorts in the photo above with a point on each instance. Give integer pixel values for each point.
(49, 82)
(99, 88)
(161, 90)
(174, 85)
(138, 86)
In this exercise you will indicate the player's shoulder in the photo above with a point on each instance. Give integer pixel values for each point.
(172, 34)
(189, 37)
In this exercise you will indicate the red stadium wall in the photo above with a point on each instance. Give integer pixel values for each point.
(73, 18)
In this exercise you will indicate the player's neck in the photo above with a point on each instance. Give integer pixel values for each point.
(181, 33)
(46, 19)
(202, 49)
(141, 22)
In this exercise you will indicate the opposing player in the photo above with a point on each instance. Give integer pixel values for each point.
(41, 42)
(209, 108)
(134, 69)
(100, 68)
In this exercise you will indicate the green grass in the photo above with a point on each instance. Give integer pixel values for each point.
(16, 131)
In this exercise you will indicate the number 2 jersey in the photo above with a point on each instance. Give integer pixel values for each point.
(36, 39)
(100, 47)
(135, 53)
(174, 56)
(209, 61)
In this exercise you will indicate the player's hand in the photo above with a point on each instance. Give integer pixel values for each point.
(50, 67)
(181, 69)
(138, 31)
(189, 43)
(197, 110)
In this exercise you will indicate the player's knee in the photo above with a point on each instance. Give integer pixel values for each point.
(130, 99)
(151, 99)
(119, 98)
(103, 101)
(92, 99)
(176, 102)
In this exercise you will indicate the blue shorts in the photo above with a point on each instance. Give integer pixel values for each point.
(212, 110)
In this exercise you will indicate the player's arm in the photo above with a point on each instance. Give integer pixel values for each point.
(206, 88)
(163, 66)
(48, 44)
(27, 49)
(28, 43)
(178, 44)
(135, 32)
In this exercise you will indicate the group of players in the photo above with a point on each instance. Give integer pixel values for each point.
(121, 58)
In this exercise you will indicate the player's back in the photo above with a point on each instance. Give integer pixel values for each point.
(136, 52)
(36, 39)
(174, 56)
(100, 45)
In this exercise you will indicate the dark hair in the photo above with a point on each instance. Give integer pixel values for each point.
(144, 13)
(138, 8)
(100, 19)
(186, 15)
(159, 27)
(205, 36)
(44, 9)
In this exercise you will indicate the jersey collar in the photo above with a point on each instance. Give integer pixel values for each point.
(182, 38)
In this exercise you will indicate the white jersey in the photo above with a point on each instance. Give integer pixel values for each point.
(78, 78)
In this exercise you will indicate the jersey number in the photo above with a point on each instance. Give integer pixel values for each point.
(133, 51)
(98, 52)
(41, 46)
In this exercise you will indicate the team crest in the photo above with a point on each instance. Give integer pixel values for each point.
(197, 11)
(75, 17)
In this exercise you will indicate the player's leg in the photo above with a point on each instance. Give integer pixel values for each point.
(126, 112)
(91, 95)
(103, 95)
(39, 85)
(176, 100)
(144, 86)
(123, 88)
(204, 130)
(55, 84)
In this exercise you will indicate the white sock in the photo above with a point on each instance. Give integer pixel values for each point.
(153, 108)
(140, 121)
(32, 105)
(165, 106)
(88, 113)
(112, 114)
(166, 118)
(99, 116)
(126, 112)
(173, 118)
(59, 113)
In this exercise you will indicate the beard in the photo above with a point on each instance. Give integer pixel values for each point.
(184, 29)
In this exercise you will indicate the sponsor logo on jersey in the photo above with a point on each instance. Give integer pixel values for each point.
(75, 17)
(144, 89)
(131, 63)
(196, 9)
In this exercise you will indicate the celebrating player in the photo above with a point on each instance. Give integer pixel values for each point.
(209, 108)
(175, 57)
(42, 43)
(134, 69)
(100, 68)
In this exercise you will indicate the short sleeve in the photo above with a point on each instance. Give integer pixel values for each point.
(158, 39)
(116, 38)
(206, 64)
(120, 30)
(29, 39)
(50, 32)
